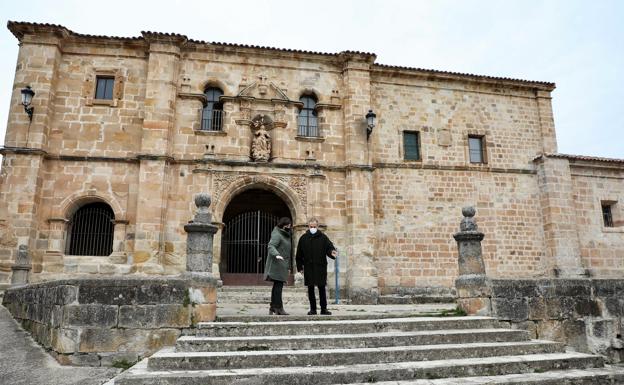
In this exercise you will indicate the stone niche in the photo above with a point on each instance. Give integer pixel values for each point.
(108, 321)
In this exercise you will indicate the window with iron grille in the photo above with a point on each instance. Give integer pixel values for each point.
(476, 149)
(308, 120)
(104, 87)
(212, 115)
(91, 230)
(607, 214)
(411, 145)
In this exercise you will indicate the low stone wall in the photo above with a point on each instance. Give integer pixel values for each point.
(586, 314)
(111, 321)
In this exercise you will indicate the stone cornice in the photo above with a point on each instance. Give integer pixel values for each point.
(347, 59)
(21, 29)
(277, 165)
(22, 150)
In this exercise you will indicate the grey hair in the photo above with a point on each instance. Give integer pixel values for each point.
(313, 220)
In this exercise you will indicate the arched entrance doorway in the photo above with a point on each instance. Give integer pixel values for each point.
(249, 219)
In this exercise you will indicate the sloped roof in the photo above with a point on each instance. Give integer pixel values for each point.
(19, 29)
(583, 158)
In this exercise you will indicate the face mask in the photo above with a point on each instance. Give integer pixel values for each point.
(313, 230)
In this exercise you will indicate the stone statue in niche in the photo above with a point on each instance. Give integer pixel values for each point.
(261, 142)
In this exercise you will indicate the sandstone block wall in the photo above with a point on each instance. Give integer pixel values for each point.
(586, 314)
(106, 321)
(601, 248)
(144, 154)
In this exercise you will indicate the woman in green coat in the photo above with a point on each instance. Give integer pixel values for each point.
(277, 263)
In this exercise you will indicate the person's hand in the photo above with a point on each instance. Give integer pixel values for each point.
(334, 253)
(279, 257)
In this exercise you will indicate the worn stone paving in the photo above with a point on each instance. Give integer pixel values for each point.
(24, 362)
(338, 310)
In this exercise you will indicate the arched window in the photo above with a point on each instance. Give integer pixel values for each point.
(91, 230)
(212, 115)
(308, 121)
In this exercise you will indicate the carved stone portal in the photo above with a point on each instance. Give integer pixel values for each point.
(261, 142)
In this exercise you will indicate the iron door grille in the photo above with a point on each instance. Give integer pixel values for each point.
(247, 237)
(91, 230)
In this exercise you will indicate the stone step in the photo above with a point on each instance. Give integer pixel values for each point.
(396, 299)
(170, 360)
(374, 325)
(366, 340)
(364, 373)
(595, 376)
(246, 312)
(264, 299)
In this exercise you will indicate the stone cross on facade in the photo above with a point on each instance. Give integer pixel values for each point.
(199, 241)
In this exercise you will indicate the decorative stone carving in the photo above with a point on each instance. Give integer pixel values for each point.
(261, 142)
(220, 182)
(299, 184)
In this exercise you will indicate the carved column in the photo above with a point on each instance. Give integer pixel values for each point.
(199, 241)
(473, 287)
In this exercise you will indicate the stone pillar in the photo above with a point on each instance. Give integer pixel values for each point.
(473, 286)
(563, 248)
(52, 260)
(160, 96)
(546, 121)
(199, 241)
(38, 59)
(361, 274)
(119, 255)
(22, 267)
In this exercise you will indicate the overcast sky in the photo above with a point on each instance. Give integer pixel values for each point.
(579, 45)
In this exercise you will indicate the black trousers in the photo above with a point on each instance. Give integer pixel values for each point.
(322, 298)
(276, 295)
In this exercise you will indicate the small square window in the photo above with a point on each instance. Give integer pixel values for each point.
(476, 149)
(104, 88)
(607, 214)
(411, 145)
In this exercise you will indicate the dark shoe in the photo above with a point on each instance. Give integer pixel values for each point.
(281, 311)
(312, 312)
(325, 312)
(272, 310)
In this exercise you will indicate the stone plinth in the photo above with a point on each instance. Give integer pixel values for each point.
(473, 288)
(199, 242)
(22, 266)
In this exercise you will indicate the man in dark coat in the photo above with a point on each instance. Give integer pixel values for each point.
(312, 251)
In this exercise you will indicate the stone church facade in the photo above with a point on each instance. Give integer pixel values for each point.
(133, 128)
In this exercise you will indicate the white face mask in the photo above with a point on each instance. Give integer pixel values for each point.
(313, 230)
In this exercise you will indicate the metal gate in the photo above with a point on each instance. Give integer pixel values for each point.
(91, 230)
(246, 238)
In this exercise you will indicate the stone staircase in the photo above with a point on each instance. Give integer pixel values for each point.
(361, 350)
(262, 295)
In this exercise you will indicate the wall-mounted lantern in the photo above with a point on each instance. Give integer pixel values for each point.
(370, 123)
(27, 95)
